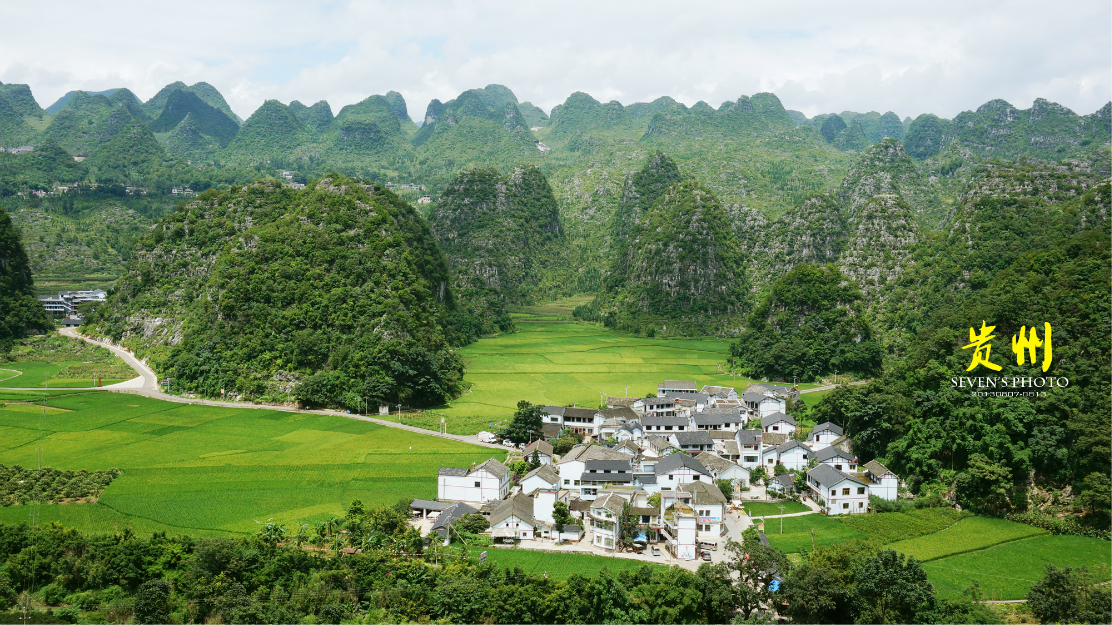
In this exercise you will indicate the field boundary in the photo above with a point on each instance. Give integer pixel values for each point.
(15, 371)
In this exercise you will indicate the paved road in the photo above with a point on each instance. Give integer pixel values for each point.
(832, 386)
(147, 385)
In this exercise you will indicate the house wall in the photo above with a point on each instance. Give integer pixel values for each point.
(524, 530)
(885, 487)
(795, 458)
(840, 503)
(682, 475)
(533, 483)
(544, 502)
(841, 464)
(770, 405)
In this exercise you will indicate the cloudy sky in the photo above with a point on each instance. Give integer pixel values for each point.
(940, 57)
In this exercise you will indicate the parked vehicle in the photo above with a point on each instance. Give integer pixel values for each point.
(656, 550)
(708, 546)
(706, 556)
(509, 443)
(487, 437)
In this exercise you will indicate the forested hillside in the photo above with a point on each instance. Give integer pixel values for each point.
(20, 313)
(333, 293)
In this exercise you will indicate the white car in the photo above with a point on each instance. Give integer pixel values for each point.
(509, 443)
(487, 437)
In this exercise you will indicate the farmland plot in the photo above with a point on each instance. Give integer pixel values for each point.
(967, 534)
(797, 532)
(895, 526)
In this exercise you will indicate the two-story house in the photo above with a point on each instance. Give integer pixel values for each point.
(664, 426)
(722, 469)
(679, 468)
(604, 514)
(884, 483)
(793, 455)
(630, 431)
(749, 444)
(837, 492)
(778, 422)
(543, 449)
(692, 442)
(660, 407)
(680, 388)
(710, 508)
(573, 466)
(513, 519)
(543, 477)
(728, 419)
(760, 404)
(490, 481)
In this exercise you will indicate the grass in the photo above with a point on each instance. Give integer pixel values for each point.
(764, 508)
(969, 534)
(1008, 570)
(61, 362)
(557, 565)
(895, 526)
(208, 470)
(797, 532)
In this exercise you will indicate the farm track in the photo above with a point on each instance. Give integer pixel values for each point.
(147, 385)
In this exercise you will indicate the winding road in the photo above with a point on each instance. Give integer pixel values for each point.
(147, 385)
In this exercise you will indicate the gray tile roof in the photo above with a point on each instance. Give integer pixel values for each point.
(621, 401)
(622, 478)
(827, 453)
(665, 421)
(773, 439)
(827, 427)
(425, 504)
(450, 515)
(699, 398)
(659, 401)
(703, 494)
(877, 468)
(621, 412)
(495, 468)
(718, 390)
(828, 476)
(693, 438)
(551, 430)
(611, 502)
(583, 453)
(554, 410)
(678, 460)
(754, 397)
(645, 478)
(774, 417)
(749, 437)
(678, 384)
(790, 445)
(607, 465)
(579, 413)
(519, 505)
(541, 446)
(730, 448)
(787, 480)
(545, 472)
(714, 462)
(452, 471)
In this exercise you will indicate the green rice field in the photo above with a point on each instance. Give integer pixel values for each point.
(557, 565)
(207, 470)
(553, 361)
(895, 526)
(968, 534)
(797, 532)
(32, 374)
(1007, 571)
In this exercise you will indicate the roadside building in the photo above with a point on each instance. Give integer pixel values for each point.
(513, 519)
(793, 455)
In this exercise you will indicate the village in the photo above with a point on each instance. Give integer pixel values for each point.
(663, 478)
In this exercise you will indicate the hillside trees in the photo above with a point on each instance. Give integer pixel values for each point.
(21, 313)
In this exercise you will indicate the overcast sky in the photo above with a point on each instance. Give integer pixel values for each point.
(940, 57)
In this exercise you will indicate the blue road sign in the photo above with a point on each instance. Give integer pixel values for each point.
(774, 585)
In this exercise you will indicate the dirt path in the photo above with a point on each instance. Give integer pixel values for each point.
(147, 385)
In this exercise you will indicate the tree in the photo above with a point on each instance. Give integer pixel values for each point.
(727, 488)
(1068, 596)
(561, 516)
(654, 501)
(757, 475)
(627, 526)
(535, 460)
(756, 565)
(893, 589)
(984, 485)
(472, 523)
(152, 602)
(526, 424)
(815, 594)
(779, 469)
(564, 444)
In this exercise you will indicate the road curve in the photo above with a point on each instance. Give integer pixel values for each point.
(147, 385)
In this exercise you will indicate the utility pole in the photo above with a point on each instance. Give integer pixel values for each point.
(627, 390)
(835, 377)
(781, 506)
(399, 413)
(601, 399)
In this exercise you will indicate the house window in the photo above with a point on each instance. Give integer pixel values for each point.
(577, 482)
(566, 482)
(775, 428)
(671, 477)
(845, 506)
(609, 542)
(833, 492)
(478, 484)
(750, 459)
(860, 490)
(838, 466)
(845, 491)
(804, 456)
(860, 504)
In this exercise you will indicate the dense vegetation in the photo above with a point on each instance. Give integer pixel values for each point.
(811, 323)
(336, 291)
(270, 578)
(20, 313)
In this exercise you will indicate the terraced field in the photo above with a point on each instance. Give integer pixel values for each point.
(557, 565)
(797, 532)
(205, 470)
(968, 534)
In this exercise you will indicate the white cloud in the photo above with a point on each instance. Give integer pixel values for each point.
(911, 58)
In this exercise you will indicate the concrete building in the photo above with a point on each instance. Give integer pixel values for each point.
(490, 481)
(837, 492)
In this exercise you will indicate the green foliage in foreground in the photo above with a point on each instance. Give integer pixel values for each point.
(20, 486)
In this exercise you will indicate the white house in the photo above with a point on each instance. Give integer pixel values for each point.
(710, 508)
(836, 458)
(837, 492)
(583, 420)
(763, 403)
(660, 407)
(692, 442)
(513, 518)
(722, 469)
(698, 402)
(885, 484)
(573, 466)
(823, 435)
(606, 473)
(543, 477)
(793, 455)
(664, 426)
(721, 393)
(679, 468)
(544, 503)
(630, 431)
(543, 449)
(728, 419)
(629, 448)
(749, 444)
(680, 530)
(657, 447)
(783, 484)
(778, 422)
(604, 515)
(490, 481)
